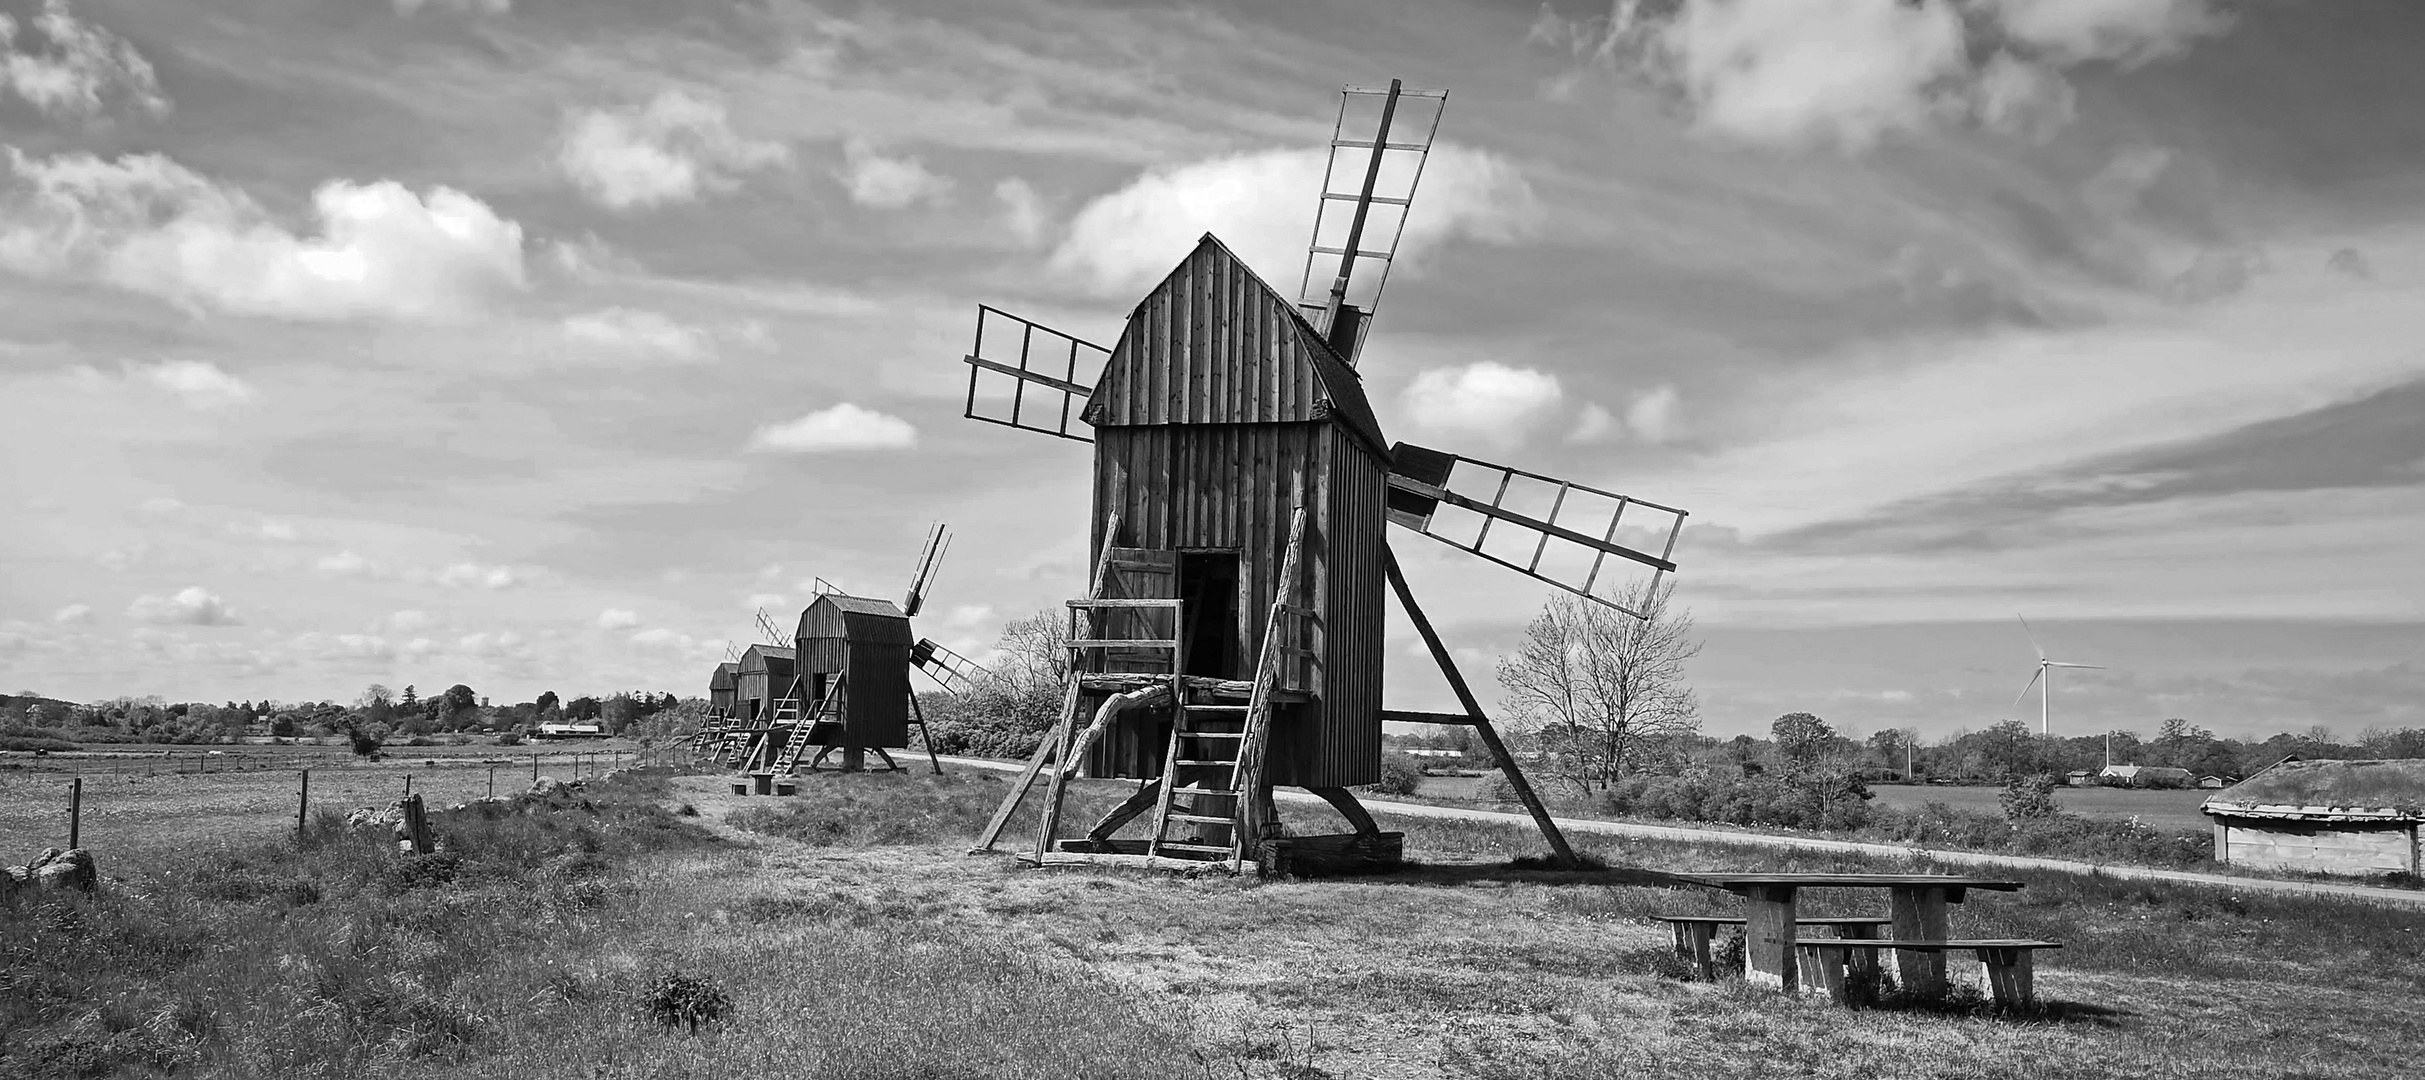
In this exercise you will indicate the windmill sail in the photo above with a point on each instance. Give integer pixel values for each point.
(1552, 530)
(1026, 375)
(1377, 152)
(938, 539)
(949, 669)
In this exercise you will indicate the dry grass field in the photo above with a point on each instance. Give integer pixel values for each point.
(849, 936)
(2164, 809)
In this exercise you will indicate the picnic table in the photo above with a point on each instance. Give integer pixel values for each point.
(1916, 908)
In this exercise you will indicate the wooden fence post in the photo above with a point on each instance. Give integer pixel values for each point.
(303, 804)
(492, 781)
(75, 813)
(534, 767)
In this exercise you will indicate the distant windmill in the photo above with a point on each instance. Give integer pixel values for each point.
(2044, 680)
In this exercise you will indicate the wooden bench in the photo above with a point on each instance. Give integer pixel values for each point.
(2008, 963)
(1693, 934)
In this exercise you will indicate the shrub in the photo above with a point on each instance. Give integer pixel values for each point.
(2029, 798)
(1401, 774)
(509, 738)
(678, 1000)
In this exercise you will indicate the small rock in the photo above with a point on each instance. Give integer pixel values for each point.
(60, 870)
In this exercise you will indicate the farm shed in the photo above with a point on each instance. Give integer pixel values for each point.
(2214, 782)
(2334, 817)
(2145, 776)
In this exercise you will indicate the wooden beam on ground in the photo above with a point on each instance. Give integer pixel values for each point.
(1018, 792)
(1465, 697)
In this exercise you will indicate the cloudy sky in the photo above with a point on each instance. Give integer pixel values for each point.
(535, 343)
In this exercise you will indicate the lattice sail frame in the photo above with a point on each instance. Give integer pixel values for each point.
(1423, 482)
(1384, 173)
(1026, 353)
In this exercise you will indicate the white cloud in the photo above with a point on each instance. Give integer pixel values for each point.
(161, 504)
(474, 7)
(617, 619)
(1262, 205)
(672, 150)
(410, 620)
(498, 645)
(276, 530)
(343, 562)
(1486, 399)
(81, 66)
(198, 383)
(145, 223)
(842, 427)
(1797, 73)
(766, 600)
(1593, 423)
(2128, 32)
(191, 606)
(73, 613)
(1652, 415)
(644, 334)
(890, 183)
(1023, 210)
(465, 575)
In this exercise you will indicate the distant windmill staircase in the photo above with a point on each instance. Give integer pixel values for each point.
(1229, 423)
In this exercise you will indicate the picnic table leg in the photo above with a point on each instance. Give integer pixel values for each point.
(2009, 976)
(1919, 915)
(1861, 964)
(1821, 971)
(1768, 933)
(1692, 943)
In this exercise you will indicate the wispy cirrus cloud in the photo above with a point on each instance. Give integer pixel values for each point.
(69, 68)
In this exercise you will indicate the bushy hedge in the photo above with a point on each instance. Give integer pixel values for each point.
(1826, 802)
(1401, 774)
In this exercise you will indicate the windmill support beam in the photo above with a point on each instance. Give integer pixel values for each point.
(1473, 709)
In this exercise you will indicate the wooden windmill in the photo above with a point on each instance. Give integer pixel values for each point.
(765, 709)
(1232, 637)
(855, 654)
(722, 686)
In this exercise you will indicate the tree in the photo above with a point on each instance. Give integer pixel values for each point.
(2031, 797)
(459, 698)
(1802, 739)
(375, 694)
(409, 701)
(583, 709)
(1599, 688)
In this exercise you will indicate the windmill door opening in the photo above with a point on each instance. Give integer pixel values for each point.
(1208, 584)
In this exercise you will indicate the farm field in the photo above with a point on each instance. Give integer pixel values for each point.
(2160, 808)
(2164, 809)
(139, 806)
(853, 937)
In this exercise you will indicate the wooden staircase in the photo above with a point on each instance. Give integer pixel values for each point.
(826, 708)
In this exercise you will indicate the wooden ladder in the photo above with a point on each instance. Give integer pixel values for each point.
(828, 707)
(1240, 751)
(1082, 626)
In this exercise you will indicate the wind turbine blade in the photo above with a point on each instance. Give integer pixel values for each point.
(2091, 667)
(2033, 682)
(2033, 638)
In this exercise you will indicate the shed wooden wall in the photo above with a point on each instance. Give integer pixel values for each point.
(763, 679)
(875, 702)
(2320, 847)
(1212, 344)
(1178, 487)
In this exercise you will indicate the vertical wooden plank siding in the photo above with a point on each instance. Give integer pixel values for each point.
(1353, 597)
(1210, 345)
(875, 700)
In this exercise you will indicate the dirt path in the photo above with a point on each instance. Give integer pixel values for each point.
(1591, 827)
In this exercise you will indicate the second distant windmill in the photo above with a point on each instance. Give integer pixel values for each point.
(2043, 679)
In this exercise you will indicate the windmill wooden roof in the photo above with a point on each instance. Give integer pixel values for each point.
(767, 656)
(859, 618)
(724, 676)
(1215, 344)
(2328, 790)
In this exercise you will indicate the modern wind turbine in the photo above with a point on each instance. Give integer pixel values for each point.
(2045, 676)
